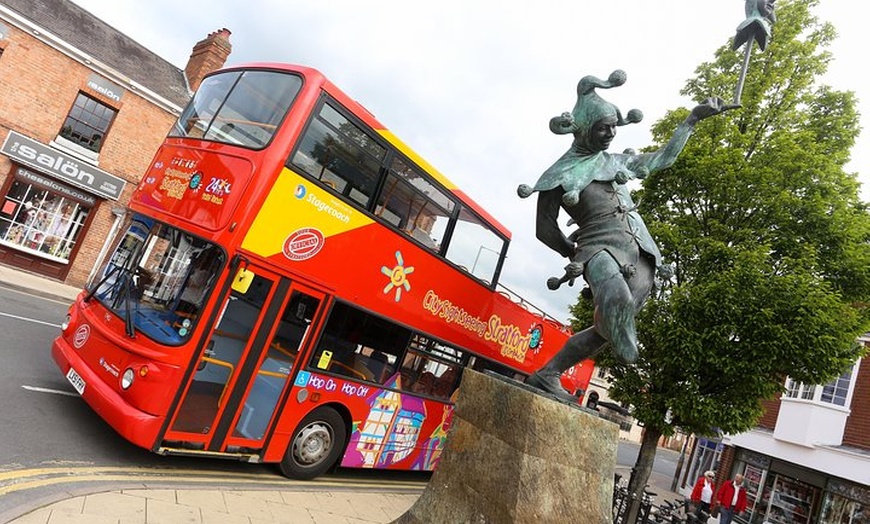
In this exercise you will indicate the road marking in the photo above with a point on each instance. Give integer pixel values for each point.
(26, 319)
(30, 293)
(46, 390)
(21, 480)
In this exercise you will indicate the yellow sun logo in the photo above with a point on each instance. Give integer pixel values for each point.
(398, 276)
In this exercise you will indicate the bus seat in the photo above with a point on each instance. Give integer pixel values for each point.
(379, 366)
(444, 384)
(424, 384)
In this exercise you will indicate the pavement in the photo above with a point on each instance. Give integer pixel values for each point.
(196, 504)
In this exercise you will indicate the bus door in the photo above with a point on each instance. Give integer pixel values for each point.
(246, 363)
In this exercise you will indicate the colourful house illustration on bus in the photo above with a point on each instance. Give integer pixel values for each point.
(390, 432)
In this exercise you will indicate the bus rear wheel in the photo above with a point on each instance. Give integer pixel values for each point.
(317, 444)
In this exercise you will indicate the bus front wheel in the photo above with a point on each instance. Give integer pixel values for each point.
(317, 444)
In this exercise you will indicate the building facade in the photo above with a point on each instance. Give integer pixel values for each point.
(597, 397)
(84, 108)
(808, 460)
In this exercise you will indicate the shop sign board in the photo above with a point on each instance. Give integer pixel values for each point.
(65, 167)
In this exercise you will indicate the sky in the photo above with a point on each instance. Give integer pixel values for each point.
(472, 85)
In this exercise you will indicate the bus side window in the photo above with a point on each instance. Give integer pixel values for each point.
(337, 151)
(447, 383)
(360, 346)
(431, 368)
(415, 206)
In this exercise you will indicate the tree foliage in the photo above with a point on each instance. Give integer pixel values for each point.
(767, 235)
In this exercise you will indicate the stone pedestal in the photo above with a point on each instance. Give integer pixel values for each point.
(515, 456)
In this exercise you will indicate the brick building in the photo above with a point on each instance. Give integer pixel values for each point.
(808, 460)
(83, 110)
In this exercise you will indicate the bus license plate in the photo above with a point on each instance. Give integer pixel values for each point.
(76, 381)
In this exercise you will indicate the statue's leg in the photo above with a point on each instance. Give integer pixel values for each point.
(579, 347)
(617, 297)
(619, 293)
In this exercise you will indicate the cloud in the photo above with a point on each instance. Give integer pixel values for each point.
(471, 85)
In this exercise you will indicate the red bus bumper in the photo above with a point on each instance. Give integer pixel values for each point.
(138, 427)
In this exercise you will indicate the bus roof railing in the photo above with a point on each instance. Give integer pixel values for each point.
(535, 310)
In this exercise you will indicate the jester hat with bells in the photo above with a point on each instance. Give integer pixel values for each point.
(573, 172)
(591, 108)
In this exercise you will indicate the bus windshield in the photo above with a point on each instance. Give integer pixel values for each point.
(158, 279)
(242, 108)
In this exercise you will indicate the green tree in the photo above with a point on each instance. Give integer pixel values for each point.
(769, 242)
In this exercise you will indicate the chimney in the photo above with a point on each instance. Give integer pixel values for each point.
(208, 55)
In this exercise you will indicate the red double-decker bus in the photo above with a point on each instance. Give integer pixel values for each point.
(294, 285)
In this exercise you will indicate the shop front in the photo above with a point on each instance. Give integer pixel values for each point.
(705, 456)
(779, 492)
(48, 203)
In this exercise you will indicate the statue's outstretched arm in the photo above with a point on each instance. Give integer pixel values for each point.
(666, 156)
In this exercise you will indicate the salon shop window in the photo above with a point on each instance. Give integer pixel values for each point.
(42, 216)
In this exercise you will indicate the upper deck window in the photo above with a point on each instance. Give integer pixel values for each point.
(239, 108)
(350, 158)
(475, 247)
(411, 203)
(342, 155)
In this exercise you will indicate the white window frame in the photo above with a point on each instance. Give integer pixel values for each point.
(798, 391)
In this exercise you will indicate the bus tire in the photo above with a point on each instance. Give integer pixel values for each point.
(317, 444)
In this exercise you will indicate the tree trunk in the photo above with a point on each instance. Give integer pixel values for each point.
(641, 471)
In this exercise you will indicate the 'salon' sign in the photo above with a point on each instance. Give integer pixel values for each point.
(60, 165)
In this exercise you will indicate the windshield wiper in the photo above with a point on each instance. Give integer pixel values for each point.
(99, 284)
(124, 291)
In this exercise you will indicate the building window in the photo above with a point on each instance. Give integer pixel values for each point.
(41, 220)
(835, 392)
(87, 123)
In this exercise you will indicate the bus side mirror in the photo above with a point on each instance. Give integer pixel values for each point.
(242, 280)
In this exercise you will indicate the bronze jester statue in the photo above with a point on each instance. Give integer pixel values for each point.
(610, 247)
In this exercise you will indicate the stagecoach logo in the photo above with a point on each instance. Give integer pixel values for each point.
(110, 368)
(81, 336)
(303, 244)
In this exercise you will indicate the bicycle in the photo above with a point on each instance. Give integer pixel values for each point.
(680, 512)
(693, 515)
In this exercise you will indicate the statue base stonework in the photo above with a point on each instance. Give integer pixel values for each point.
(515, 456)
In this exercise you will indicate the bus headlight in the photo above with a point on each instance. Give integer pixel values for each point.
(127, 378)
(66, 322)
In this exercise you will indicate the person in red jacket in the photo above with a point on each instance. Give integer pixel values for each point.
(702, 494)
(731, 499)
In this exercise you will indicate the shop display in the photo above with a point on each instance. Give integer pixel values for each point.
(41, 221)
(753, 479)
(791, 502)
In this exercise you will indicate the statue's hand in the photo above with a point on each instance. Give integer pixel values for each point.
(574, 270)
(710, 107)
